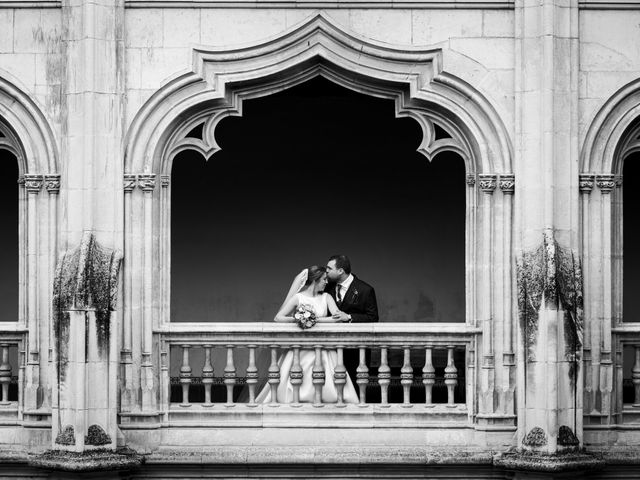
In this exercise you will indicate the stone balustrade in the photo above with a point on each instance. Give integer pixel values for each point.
(398, 363)
(11, 372)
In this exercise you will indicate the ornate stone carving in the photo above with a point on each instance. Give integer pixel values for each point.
(165, 180)
(471, 179)
(52, 183)
(606, 183)
(33, 183)
(147, 182)
(587, 181)
(508, 183)
(129, 182)
(487, 182)
(21, 180)
(619, 179)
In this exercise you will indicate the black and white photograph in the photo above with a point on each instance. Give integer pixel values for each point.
(319, 239)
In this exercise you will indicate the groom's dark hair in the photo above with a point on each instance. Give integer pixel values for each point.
(342, 261)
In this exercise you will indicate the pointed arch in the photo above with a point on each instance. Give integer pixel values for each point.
(222, 78)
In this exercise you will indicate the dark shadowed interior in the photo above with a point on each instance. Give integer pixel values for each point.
(306, 173)
(8, 237)
(631, 241)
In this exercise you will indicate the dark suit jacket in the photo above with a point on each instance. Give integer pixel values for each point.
(359, 301)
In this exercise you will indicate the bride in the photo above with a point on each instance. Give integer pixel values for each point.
(308, 289)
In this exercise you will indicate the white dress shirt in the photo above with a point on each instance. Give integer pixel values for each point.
(343, 287)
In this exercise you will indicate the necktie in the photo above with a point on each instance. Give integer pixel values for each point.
(339, 293)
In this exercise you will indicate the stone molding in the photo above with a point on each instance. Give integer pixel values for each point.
(586, 182)
(33, 183)
(606, 183)
(129, 183)
(413, 77)
(52, 183)
(471, 179)
(326, 4)
(165, 180)
(487, 182)
(508, 183)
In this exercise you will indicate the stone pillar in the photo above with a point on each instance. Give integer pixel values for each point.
(85, 331)
(86, 339)
(546, 214)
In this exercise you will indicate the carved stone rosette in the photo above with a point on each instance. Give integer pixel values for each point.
(129, 182)
(52, 183)
(606, 183)
(147, 182)
(508, 184)
(587, 181)
(471, 179)
(487, 182)
(33, 183)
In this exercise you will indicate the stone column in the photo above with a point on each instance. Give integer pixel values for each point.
(546, 214)
(86, 338)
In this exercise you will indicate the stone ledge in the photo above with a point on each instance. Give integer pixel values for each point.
(315, 455)
(562, 462)
(90, 461)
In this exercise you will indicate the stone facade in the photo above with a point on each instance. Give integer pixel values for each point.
(541, 99)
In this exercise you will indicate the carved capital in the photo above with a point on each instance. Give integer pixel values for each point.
(508, 183)
(147, 182)
(587, 181)
(33, 183)
(21, 180)
(487, 182)
(618, 180)
(471, 179)
(52, 183)
(606, 183)
(129, 182)
(165, 180)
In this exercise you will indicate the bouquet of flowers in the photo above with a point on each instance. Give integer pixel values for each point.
(305, 316)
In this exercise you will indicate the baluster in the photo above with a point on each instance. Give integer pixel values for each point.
(274, 376)
(406, 377)
(295, 374)
(252, 376)
(428, 376)
(340, 377)
(207, 376)
(450, 376)
(185, 376)
(230, 376)
(318, 377)
(384, 377)
(5, 374)
(362, 376)
(635, 376)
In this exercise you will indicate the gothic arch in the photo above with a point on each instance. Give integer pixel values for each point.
(26, 133)
(222, 78)
(613, 135)
(32, 138)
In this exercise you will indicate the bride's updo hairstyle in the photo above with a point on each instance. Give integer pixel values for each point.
(315, 273)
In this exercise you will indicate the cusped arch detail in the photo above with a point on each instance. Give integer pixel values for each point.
(28, 132)
(222, 78)
(613, 133)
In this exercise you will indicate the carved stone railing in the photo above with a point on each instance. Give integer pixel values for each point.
(218, 369)
(12, 351)
(628, 372)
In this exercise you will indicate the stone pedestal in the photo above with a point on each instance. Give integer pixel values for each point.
(84, 400)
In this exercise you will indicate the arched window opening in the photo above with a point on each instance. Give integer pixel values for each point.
(312, 171)
(9, 254)
(631, 240)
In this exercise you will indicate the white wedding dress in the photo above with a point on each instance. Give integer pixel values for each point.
(307, 360)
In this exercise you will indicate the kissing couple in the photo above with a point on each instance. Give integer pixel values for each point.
(333, 294)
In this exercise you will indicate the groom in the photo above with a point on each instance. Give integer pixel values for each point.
(356, 301)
